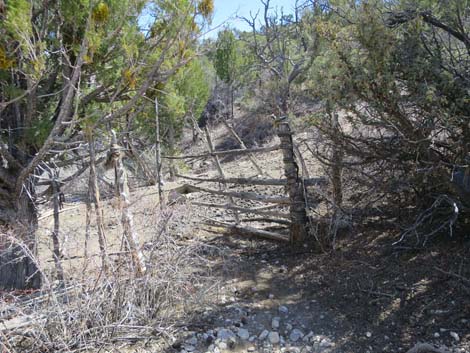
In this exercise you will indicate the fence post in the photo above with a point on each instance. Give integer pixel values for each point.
(124, 204)
(297, 211)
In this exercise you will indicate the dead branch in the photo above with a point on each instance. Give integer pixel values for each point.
(267, 220)
(427, 348)
(243, 146)
(242, 209)
(452, 274)
(249, 231)
(220, 170)
(226, 153)
(187, 189)
(254, 181)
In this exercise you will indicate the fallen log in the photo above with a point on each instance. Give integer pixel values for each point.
(250, 181)
(226, 153)
(249, 231)
(187, 189)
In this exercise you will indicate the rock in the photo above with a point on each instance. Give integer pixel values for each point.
(252, 339)
(192, 341)
(222, 345)
(325, 343)
(271, 296)
(283, 310)
(273, 337)
(307, 337)
(251, 349)
(244, 334)
(225, 334)
(275, 323)
(296, 335)
(189, 348)
(288, 327)
(436, 335)
(263, 335)
(454, 335)
(232, 342)
(368, 334)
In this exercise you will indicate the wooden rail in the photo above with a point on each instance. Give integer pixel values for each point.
(252, 181)
(257, 211)
(226, 153)
(186, 189)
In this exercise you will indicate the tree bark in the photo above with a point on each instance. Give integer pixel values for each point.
(55, 233)
(18, 268)
(127, 220)
(294, 185)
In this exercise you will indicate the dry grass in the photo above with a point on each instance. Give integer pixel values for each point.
(97, 308)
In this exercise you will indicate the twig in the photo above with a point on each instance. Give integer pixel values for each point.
(452, 274)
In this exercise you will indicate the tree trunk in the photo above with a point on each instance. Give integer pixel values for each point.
(57, 254)
(18, 268)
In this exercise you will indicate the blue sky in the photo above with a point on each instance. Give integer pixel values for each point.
(227, 10)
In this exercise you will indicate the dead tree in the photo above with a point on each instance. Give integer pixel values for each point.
(127, 221)
(285, 48)
(297, 211)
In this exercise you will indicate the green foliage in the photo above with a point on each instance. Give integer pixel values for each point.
(400, 71)
(227, 59)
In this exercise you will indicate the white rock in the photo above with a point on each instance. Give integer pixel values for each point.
(251, 349)
(273, 337)
(288, 327)
(326, 343)
(244, 334)
(222, 345)
(275, 323)
(368, 334)
(454, 335)
(189, 348)
(263, 335)
(436, 335)
(296, 335)
(283, 309)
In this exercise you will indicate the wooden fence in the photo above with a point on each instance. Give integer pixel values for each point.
(294, 221)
